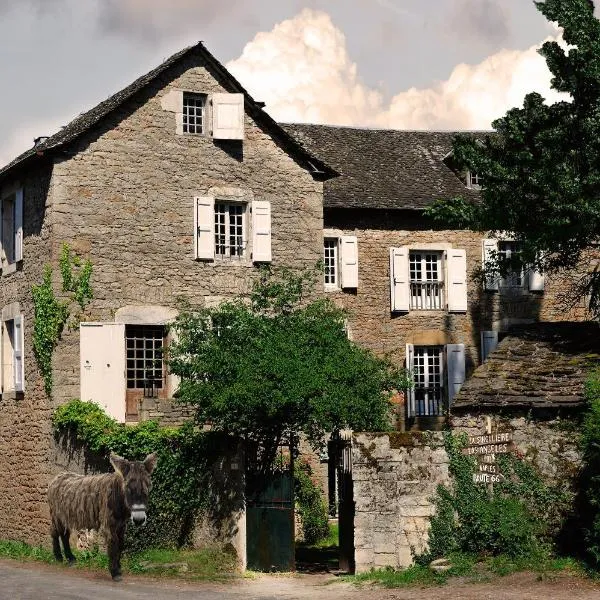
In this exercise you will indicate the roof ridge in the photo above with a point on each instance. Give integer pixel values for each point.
(384, 129)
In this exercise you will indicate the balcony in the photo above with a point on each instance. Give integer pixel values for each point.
(426, 295)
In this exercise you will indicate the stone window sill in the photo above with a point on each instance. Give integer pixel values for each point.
(12, 395)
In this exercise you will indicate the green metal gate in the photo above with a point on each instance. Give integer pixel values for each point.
(270, 518)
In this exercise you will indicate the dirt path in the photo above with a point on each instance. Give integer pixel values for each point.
(35, 581)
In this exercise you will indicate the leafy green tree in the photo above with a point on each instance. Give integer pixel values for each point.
(541, 166)
(274, 362)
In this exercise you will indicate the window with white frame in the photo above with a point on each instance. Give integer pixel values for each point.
(13, 379)
(331, 258)
(474, 180)
(426, 283)
(194, 106)
(230, 237)
(510, 251)
(428, 373)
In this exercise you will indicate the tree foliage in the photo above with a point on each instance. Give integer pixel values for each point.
(274, 363)
(541, 166)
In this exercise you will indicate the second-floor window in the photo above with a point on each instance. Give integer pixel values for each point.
(331, 263)
(13, 378)
(426, 284)
(230, 239)
(474, 180)
(510, 251)
(8, 229)
(193, 113)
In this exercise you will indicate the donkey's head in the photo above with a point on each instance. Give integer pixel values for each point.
(136, 477)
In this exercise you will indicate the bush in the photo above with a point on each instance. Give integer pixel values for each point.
(517, 519)
(312, 508)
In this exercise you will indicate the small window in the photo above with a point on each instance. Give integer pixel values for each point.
(429, 380)
(426, 283)
(510, 251)
(12, 352)
(474, 180)
(331, 257)
(230, 234)
(8, 230)
(193, 113)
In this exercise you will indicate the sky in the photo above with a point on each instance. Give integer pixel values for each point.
(403, 64)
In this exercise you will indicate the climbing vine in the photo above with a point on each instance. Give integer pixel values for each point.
(184, 477)
(51, 314)
(518, 518)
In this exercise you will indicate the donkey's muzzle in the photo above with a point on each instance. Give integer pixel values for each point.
(138, 514)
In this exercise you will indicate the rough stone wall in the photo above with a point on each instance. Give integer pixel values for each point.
(123, 197)
(546, 438)
(395, 476)
(26, 443)
(371, 323)
(166, 412)
(125, 200)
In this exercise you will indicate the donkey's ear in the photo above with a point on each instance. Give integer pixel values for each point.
(150, 462)
(119, 463)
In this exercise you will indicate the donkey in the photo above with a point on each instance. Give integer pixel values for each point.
(103, 502)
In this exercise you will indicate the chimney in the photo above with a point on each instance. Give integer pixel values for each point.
(40, 140)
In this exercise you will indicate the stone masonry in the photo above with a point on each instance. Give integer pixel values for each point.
(395, 477)
(122, 195)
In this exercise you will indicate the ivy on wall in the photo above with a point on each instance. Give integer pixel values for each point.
(51, 314)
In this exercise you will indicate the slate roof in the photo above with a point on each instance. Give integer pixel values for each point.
(383, 168)
(86, 121)
(535, 366)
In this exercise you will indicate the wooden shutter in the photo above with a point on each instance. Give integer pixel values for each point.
(490, 252)
(457, 280)
(102, 366)
(349, 261)
(228, 116)
(455, 361)
(399, 284)
(535, 280)
(204, 227)
(410, 393)
(19, 370)
(19, 225)
(261, 231)
(489, 341)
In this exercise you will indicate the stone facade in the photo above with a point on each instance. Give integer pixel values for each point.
(373, 325)
(395, 477)
(122, 195)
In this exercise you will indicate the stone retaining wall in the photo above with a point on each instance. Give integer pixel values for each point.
(395, 476)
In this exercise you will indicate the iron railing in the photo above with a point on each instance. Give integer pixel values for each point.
(426, 295)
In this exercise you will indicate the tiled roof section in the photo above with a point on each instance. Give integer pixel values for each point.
(537, 366)
(384, 168)
(89, 119)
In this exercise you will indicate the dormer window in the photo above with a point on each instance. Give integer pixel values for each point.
(193, 113)
(474, 180)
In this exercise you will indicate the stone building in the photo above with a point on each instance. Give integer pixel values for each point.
(412, 288)
(178, 186)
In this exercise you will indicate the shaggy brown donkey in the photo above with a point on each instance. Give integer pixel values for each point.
(102, 502)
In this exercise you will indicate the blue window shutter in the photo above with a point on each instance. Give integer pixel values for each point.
(455, 359)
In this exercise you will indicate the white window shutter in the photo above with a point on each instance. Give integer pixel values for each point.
(410, 393)
(455, 359)
(19, 225)
(102, 371)
(399, 284)
(457, 280)
(204, 227)
(349, 261)
(19, 371)
(228, 116)
(261, 231)
(490, 251)
(535, 280)
(489, 341)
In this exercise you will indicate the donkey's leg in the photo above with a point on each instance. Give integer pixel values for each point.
(67, 546)
(55, 542)
(114, 543)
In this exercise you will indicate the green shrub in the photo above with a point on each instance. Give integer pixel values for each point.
(312, 508)
(517, 519)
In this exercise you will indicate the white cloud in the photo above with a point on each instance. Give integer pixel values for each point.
(302, 70)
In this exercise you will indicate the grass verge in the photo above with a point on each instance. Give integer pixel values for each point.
(469, 569)
(207, 564)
